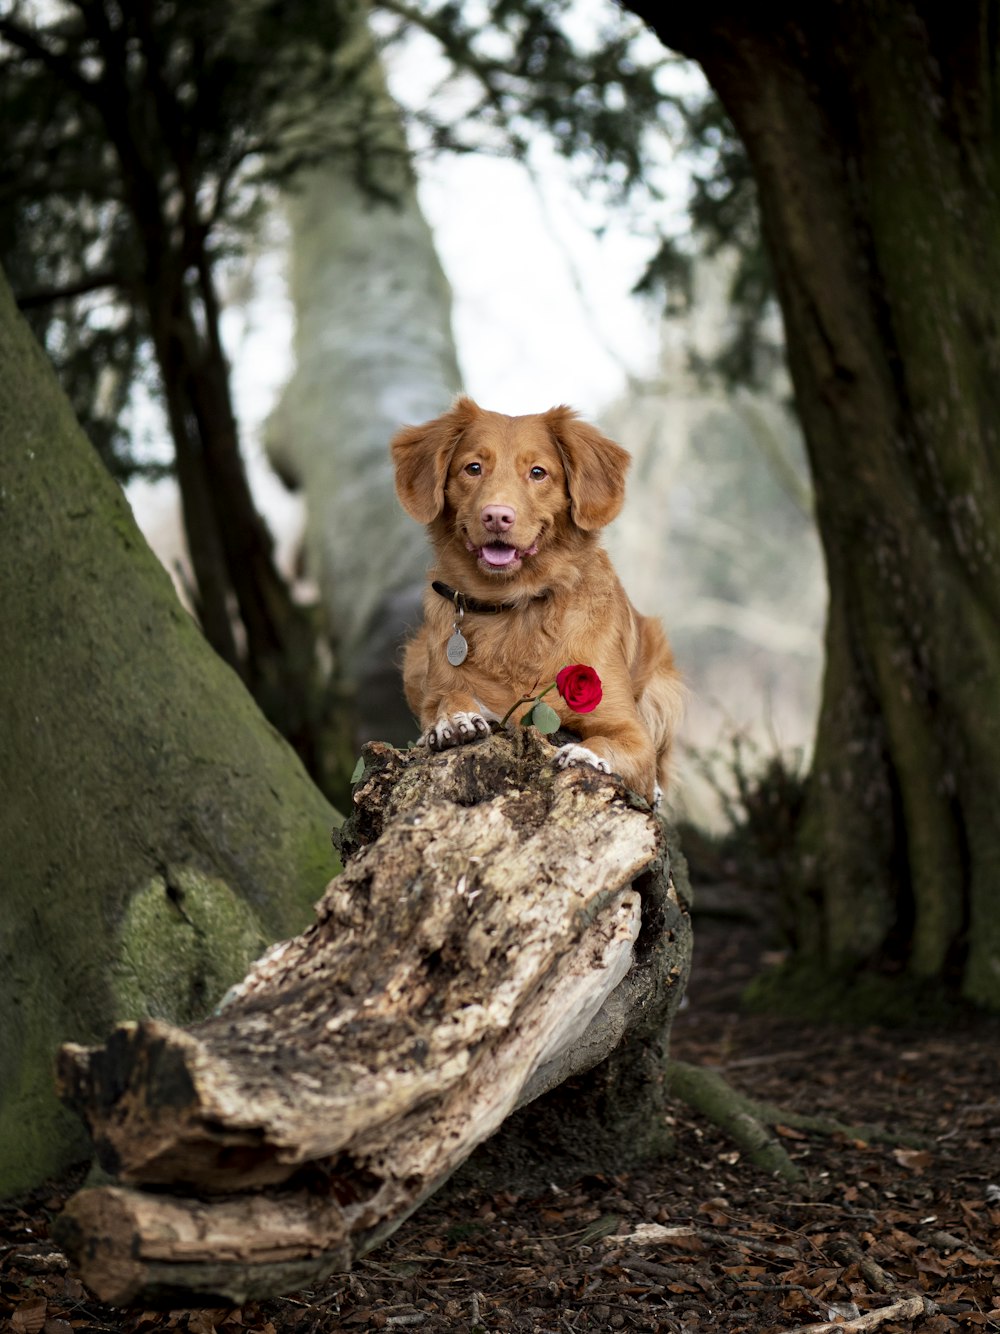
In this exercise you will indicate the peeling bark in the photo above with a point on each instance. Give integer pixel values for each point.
(501, 926)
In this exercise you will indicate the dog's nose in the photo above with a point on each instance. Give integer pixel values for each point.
(498, 518)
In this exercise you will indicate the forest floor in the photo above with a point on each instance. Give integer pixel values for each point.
(900, 1235)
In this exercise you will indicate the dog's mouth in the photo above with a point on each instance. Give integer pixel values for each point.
(501, 555)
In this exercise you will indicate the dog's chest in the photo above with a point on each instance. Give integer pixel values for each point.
(515, 650)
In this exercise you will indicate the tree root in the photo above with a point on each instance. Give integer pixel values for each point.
(748, 1123)
(742, 1119)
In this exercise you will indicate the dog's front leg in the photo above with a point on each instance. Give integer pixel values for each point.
(624, 749)
(449, 713)
(454, 729)
(573, 753)
(454, 719)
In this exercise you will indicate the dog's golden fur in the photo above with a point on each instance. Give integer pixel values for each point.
(514, 506)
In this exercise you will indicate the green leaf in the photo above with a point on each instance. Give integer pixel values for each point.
(359, 769)
(545, 718)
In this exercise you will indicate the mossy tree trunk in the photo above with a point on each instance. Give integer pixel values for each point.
(872, 131)
(156, 830)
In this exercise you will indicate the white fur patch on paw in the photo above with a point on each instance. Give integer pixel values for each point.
(455, 731)
(657, 796)
(573, 753)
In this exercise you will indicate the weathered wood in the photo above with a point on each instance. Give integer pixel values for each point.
(479, 948)
(132, 1245)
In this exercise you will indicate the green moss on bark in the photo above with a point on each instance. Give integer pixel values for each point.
(128, 748)
(182, 943)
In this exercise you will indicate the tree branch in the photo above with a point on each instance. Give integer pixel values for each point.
(65, 69)
(47, 296)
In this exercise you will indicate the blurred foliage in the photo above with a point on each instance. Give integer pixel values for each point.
(515, 67)
(243, 94)
(61, 240)
(724, 220)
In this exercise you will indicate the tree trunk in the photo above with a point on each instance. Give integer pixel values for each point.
(156, 831)
(280, 659)
(373, 350)
(501, 925)
(871, 130)
(214, 602)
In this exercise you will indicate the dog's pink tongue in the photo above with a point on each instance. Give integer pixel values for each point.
(499, 555)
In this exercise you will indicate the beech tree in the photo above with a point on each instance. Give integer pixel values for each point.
(373, 347)
(871, 130)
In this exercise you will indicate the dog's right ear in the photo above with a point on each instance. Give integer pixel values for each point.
(421, 455)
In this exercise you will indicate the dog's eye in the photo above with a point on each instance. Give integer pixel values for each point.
(473, 469)
(537, 474)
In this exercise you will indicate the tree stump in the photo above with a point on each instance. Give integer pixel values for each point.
(501, 926)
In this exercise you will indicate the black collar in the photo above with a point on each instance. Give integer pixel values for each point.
(462, 601)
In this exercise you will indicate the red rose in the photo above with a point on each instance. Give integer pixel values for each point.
(580, 687)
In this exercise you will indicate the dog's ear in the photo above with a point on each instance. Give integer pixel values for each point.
(595, 468)
(421, 455)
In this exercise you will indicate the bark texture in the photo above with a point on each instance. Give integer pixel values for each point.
(156, 831)
(872, 132)
(501, 926)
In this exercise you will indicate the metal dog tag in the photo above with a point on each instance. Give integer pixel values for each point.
(458, 648)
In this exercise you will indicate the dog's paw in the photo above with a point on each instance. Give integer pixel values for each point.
(657, 797)
(573, 753)
(455, 730)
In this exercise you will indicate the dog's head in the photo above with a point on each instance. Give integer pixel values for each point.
(508, 492)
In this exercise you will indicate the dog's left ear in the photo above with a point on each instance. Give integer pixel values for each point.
(595, 468)
(421, 455)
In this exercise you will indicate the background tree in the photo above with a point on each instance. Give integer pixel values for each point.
(872, 136)
(718, 537)
(157, 832)
(373, 348)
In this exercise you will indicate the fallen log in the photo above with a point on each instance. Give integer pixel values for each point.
(500, 927)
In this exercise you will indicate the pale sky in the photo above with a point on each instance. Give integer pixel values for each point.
(542, 311)
(542, 306)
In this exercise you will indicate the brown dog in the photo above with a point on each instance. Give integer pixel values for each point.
(514, 506)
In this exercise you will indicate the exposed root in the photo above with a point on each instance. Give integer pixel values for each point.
(748, 1123)
(742, 1119)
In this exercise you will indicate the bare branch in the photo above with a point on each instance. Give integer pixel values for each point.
(48, 296)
